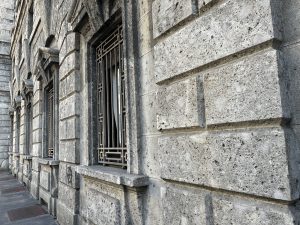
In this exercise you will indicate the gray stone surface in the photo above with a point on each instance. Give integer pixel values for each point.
(45, 180)
(183, 109)
(6, 23)
(239, 211)
(113, 175)
(230, 97)
(231, 160)
(183, 207)
(212, 110)
(167, 14)
(227, 29)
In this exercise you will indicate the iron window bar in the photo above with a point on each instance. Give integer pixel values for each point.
(111, 109)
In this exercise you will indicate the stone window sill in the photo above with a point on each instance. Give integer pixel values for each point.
(113, 175)
(27, 157)
(17, 154)
(48, 161)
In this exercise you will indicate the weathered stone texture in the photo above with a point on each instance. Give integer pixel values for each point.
(231, 160)
(212, 117)
(181, 109)
(183, 207)
(167, 14)
(227, 29)
(100, 203)
(6, 23)
(245, 90)
(239, 211)
(45, 180)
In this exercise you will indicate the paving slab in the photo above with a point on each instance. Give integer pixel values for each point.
(17, 206)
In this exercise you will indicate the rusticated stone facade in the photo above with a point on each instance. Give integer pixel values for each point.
(6, 24)
(211, 93)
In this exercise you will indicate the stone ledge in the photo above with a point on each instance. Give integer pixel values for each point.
(16, 154)
(113, 175)
(48, 161)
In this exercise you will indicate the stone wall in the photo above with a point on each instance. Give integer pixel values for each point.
(212, 111)
(6, 23)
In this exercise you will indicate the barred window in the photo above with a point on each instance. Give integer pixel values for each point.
(111, 110)
(29, 128)
(50, 121)
(18, 129)
(11, 132)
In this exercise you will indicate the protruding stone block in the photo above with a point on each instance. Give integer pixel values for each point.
(246, 90)
(233, 160)
(183, 207)
(181, 105)
(167, 14)
(231, 27)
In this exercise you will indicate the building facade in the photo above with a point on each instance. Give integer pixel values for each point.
(158, 112)
(6, 24)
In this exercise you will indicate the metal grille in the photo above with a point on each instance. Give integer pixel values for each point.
(50, 123)
(112, 147)
(29, 128)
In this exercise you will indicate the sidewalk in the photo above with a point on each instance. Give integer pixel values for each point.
(17, 206)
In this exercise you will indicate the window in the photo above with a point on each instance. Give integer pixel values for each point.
(17, 130)
(111, 110)
(20, 49)
(50, 120)
(30, 20)
(29, 127)
(11, 132)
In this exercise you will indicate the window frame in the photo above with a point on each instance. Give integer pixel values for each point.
(18, 127)
(29, 124)
(111, 111)
(50, 81)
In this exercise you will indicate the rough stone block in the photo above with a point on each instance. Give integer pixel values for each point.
(69, 106)
(240, 211)
(167, 14)
(64, 215)
(70, 63)
(70, 84)
(69, 197)
(181, 105)
(68, 151)
(248, 161)
(101, 204)
(246, 90)
(68, 175)
(204, 40)
(183, 206)
(45, 180)
(69, 128)
(34, 190)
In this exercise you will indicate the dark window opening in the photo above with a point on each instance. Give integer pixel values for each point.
(11, 132)
(50, 121)
(18, 129)
(29, 129)
(111, 108)
(30, 20)
(20, 49)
